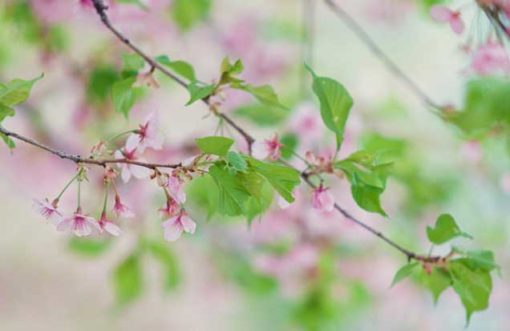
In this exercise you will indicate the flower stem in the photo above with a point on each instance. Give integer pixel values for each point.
(67, 186)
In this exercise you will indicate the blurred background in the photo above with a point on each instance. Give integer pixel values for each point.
(292, 269)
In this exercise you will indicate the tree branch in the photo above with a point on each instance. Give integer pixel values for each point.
(80, 160)
(358, 30)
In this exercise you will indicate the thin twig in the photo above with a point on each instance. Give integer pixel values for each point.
(81, 160)
(358, 30)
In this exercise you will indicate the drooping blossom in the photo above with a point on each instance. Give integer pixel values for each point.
(121, 209)
(131, 170)
(108, 226)
(489, 59)
(48, 210)
(175, 226)
(79, 224)
(147, 136)
(444, 14)
(171, 209)
(175, 188)
(322, 199)
(268, 149)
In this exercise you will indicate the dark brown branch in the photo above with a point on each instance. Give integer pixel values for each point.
(358, 30)
(81, 160)
(101, 9)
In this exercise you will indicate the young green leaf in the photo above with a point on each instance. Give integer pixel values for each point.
(5, 111)
(233, 194)
(367, 196)
(182, 68)
(169, 263)
(264, 93)
(124, 95)
(198, 91)
(132, 63)
(88, 247)
(445, 229)
(187, 13)
(282, 178)
(473, 286)
(404, 272)
(335, 104)
(262, 115)
(236, 161)
(16, 91)
(215, 145)
(8, 141)
(437, 281)
(128, 280)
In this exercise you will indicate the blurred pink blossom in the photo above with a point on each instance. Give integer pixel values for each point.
(444, 14)
(489, 59)
(48, 210)
(175, 226)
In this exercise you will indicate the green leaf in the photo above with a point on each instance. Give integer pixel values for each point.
(132, 63)
(265, 94)
(436, 282)
(404, 272)
(367, 176)
(236, 161)
(8, 141)
(88, 247)
(262, 115)
(16, 91)
(335, 104)
(5, 111)
(198, 91)
(282, 178)
(215, 145)
(233, 194)
(445, 229)
(124, 95)
(128, 280)
(290, 142)
(187, 13)
(182, 68)
(473, 286)
(169, 264)
(100, 83)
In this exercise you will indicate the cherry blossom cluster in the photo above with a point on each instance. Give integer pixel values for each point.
(131, 165)
(489, 57)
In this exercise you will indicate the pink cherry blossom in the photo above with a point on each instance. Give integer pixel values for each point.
(176, 189)
(121, 209)
(268, 149)
(147, 136)
(79, 224)
(48, 210)
(171, 208)
(322, 199)
(446, 15)
(489, 59)
(175, 226)
(110, 227)
(130, 170)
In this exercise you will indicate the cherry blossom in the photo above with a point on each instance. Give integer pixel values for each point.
(171, 208)
(48, 210)
(130, 170)
(110, 227)
(268, 149)
(322, 199)
(490, 58)
(175, 226)
(446, 15)
(121, 209)
(176, 189)
(147, 136)
(79, 224)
